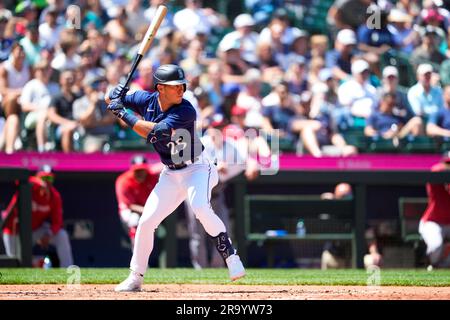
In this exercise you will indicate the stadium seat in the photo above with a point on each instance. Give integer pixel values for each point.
(421, 144)
(315, 16)
(445, 146)
(383, 146)
(356, 137)
(287, 145)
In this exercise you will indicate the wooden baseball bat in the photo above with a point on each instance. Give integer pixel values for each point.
(148, 39)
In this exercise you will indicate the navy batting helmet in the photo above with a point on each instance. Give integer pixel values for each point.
(169, 74)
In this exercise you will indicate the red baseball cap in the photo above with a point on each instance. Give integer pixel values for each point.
(238, 111)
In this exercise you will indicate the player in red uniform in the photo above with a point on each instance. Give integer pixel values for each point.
(46, 218)
(132, 190)
(434, 225)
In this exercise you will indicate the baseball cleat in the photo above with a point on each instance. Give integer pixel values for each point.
(131, 284)
(235, 267)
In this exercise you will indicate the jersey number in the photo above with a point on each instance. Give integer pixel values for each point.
(176, 146)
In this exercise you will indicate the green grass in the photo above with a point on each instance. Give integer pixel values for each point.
(220, 276)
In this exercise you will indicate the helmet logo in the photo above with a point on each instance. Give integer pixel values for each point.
(180, 74)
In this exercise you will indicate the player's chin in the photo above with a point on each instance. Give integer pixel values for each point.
(178, 100)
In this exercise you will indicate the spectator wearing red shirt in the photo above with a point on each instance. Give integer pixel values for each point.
(132, 190)
(46, 218)
(434, 225)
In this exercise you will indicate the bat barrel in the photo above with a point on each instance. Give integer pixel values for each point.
(147, 40)
(152, 29)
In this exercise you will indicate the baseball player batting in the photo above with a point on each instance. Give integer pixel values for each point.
(188, 174)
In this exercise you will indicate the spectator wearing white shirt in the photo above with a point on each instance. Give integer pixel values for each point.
(112, 5)
(14, 74)
(279, 23)
(35, 99)
(358, 94)
(275, 34)
(250, 99)
(67, 57)
(424, 98)
(49, 31)
(194, 18)
(244, 36)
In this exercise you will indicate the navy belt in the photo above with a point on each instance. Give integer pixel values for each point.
(181, 165)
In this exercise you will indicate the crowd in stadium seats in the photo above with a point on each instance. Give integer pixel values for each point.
(375, 78)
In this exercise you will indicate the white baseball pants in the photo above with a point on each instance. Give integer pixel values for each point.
(434, 236)
(194, 184)
(59, 240)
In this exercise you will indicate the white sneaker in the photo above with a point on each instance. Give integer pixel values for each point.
(235, 267)
(131, 284)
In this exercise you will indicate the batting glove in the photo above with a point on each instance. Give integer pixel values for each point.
(118, 109)
(118, 92)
